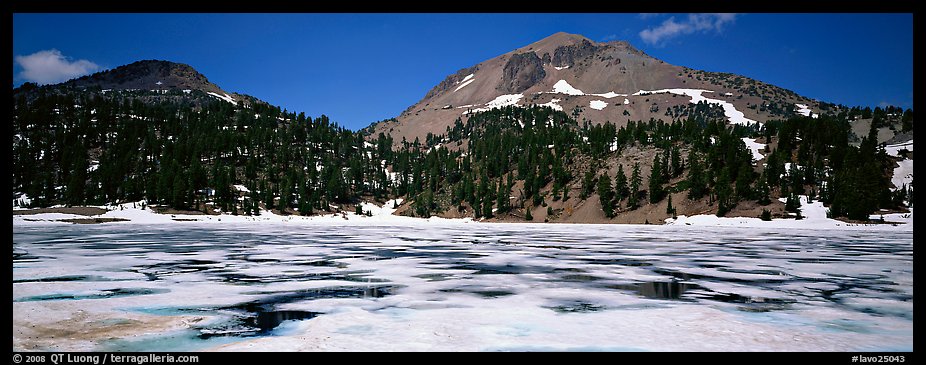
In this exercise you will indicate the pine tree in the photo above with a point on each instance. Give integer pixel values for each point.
(696, 185)
(766, 215)
(792, 204)
(621, 190)
(655, 181)
(676, 162)
(743, 181)
(669, 208)
(587, 184)
(502, 197)
(665, 168)
(634, 195)
(606, 195)
(762, 190)
(724, 195)
(527, 214)
(487, 195)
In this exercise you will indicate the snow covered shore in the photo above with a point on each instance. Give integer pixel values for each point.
(814, 217)
(131, 213)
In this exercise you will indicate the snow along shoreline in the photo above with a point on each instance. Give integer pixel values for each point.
(814, 218)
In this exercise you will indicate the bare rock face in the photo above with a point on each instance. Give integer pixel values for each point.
(568, 55)
(522, 71)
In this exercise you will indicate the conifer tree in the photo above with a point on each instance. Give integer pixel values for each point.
(722, 190)
(655, 181)
(621, 190)
(676, 162)
(762, 190)
(606, 195)
(587, 184)
(696, 184)
(669, 208)
(634, 195)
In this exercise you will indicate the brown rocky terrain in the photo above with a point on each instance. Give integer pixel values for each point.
(594, 68)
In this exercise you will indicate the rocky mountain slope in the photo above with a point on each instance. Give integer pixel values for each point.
(594, 81)
(147, 80)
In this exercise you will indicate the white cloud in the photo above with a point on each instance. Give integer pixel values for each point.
(51, 67)
(695, 23)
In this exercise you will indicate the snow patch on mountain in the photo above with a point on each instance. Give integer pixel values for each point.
(903, 173)
(563, 87)
(804, 110)
(609, 95)
(733, 115)
(466, 81)
(755, 147)
(501, 101)
(894, 149)
(225, 97)
(597, 104)
(553, 104)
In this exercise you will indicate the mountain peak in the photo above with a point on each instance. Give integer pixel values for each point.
(552, 42)
(563, 38)
(148, 75)
(601, 81)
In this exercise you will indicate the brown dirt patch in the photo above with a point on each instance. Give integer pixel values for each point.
(94, 220)
(85, 211)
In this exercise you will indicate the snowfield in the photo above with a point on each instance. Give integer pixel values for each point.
(597, 104)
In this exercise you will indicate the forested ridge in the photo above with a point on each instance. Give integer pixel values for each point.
(192, 151)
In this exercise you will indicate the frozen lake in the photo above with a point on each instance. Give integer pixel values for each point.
(468, 287)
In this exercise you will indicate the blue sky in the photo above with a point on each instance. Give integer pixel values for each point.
(360, 68)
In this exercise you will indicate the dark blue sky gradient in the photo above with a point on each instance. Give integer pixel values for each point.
(360, 68)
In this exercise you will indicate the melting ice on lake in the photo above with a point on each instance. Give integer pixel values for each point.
(460, 287)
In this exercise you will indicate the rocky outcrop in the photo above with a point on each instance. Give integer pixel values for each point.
(569, 55)
(522, 71)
